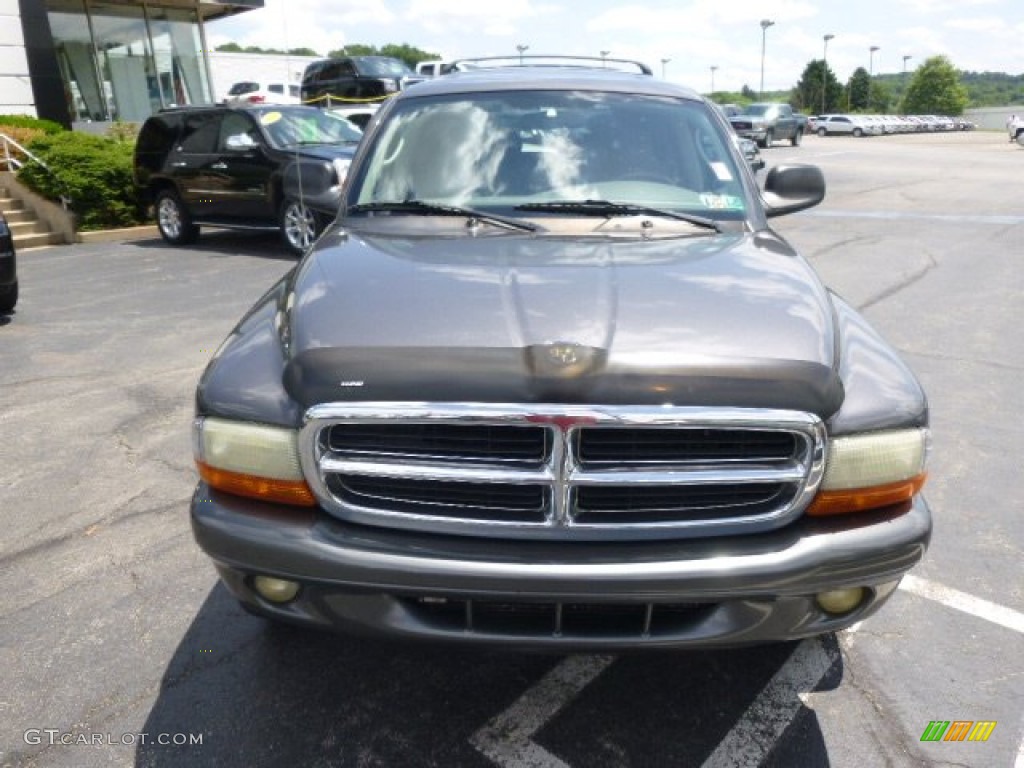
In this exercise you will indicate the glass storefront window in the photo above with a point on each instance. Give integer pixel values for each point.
(119, 32)
(126, 61)
(179, 57)
(76, 58)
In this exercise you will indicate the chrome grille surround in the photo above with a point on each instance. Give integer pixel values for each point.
(416, 500)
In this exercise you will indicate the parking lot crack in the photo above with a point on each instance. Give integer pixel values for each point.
(902, 285)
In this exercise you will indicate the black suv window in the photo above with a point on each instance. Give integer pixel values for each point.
(199, 132)
(237, 130)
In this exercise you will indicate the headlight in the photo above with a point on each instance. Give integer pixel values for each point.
(250, 460)
(871, 471)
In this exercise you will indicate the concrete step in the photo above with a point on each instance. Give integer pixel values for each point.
(36, 240)
(27, 227)
(10, 204)
(23, 214)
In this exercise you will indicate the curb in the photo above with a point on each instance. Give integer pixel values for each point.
(114, 235)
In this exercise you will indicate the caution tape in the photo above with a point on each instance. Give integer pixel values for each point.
(330, 99)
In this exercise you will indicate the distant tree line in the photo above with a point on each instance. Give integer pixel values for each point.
(410, 54)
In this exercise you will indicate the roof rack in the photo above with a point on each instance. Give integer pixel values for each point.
(541, 60)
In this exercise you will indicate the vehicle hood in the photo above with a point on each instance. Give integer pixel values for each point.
(705, 320)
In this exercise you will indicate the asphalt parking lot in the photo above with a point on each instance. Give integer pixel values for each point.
(118, 646)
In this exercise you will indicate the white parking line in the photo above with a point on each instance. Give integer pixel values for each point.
(756, 733)
(961, 601)
(506, 739)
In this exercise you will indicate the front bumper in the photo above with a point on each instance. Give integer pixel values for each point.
(561, 596)
(757, 133)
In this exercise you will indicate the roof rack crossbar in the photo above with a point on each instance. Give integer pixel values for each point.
(549, 60)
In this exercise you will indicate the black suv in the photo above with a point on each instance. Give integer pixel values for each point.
(270, 167)
(354, 77)
(8, 269)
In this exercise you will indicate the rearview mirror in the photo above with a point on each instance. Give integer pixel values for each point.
(791, 188)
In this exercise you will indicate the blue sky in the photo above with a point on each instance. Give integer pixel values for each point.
(693, 35)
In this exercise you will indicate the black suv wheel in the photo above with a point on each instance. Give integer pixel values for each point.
(173, 220)
(300, 225)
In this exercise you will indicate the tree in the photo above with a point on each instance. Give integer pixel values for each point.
(880, 98)
(935, 90)
(859, 89)
(807, 93)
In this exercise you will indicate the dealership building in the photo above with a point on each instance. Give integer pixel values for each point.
(96, 61)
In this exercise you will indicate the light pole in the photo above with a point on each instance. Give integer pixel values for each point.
(824, 73)
(604, 55)
(905, 57)
(713, 68)
(522, 49)
(663, 63)
(871, 70)
(765, 23)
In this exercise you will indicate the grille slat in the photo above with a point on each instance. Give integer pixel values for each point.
(548, 471)
(626, 447)
(453, 442)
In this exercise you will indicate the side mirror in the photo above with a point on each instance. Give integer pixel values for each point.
(792, 188)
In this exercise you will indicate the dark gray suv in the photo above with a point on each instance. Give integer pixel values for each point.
(331, 82)
(552, 380)
(266, 167)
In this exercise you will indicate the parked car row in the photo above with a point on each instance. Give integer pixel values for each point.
(879, 125)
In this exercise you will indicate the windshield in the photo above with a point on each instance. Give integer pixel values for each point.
(756, 109)
(500, 151)
(383, 67)
(307, 125)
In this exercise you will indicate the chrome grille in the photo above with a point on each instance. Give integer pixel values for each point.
(561, 471)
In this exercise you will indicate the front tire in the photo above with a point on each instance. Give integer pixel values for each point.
(300, 225)
(822, 132)
(858, 132)
(795, 141)
(767, 140)
(173, 219)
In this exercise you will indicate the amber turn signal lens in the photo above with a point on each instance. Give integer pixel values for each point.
(861, 499)
(294, 492)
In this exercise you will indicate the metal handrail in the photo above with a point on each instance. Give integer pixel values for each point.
(14, 163)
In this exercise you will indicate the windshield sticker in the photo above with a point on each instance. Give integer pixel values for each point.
(722, 202)
(270, 118)
(721, 171)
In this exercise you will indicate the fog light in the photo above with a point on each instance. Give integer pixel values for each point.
(275, 590)
(840, 601)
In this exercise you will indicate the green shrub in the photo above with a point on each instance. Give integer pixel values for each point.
(24, 121)
(94, 172)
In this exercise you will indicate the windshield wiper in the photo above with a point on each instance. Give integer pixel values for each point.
(424, 208)
(611, 208)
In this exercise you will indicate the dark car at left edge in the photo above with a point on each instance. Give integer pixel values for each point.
(8, 269)
(252, 167)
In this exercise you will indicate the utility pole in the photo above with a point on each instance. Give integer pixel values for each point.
(765, 23)
(824, 73)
